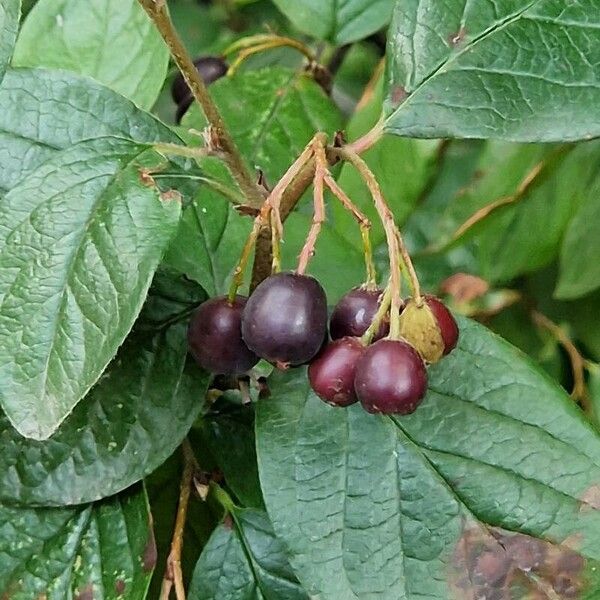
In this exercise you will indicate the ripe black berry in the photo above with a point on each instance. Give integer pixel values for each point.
(285, 319)
(210, 68)
(390, 378)
(446, 323)
(331, 373)
(215, 337)
(354, 313)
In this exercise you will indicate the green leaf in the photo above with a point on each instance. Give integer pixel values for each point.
(497, 464)
(243, 560)
(521, 71)
(533, 191)
(128, 425)
(340, 21)
(45, 111)
(272, 113)
(209, 241)
(579, 266)
(10, 12)
(103, 551)
(80, 239)
(229, 437)
(112, 41)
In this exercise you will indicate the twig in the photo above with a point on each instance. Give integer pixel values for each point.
(530, 179)
(580, 391)
(159, 14)
(173, 574)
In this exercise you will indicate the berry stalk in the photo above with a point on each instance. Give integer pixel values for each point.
(374, 327)
(391, 232)
(269, 215)
(321, 168)
(364, 224)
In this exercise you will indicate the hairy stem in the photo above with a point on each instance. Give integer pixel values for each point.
(157, 11)
(173, 574)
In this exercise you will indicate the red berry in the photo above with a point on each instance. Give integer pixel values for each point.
(390, 378)
(354, 313)
(285, 319)
(215, 337)
(331, 373)
(446, 323)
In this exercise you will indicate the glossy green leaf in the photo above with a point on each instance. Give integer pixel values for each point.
(80, 239)
(128, 425)
(490, 486)
(243, 560)
(340, 21)
(104, 551)
(46, 111)
(521, 71)
(272, 113)
(10, 12)
(579, 266)
(112, 41)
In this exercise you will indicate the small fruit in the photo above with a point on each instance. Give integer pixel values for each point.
(390, 378)
(285, 319)
(331, 373)
(429, 327)
(446, 323)
(354, 313)
(215, 337)
(210, 68)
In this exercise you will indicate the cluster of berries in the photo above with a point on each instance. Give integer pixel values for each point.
(285, 321)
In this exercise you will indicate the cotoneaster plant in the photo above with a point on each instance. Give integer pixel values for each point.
(254, 260)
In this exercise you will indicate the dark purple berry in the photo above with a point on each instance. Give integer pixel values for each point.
(331, 373)
(285, 319)
(390, 378)
(215, 337)
(446, 323)
(182, 108)
(210, 68)
(354, 313)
